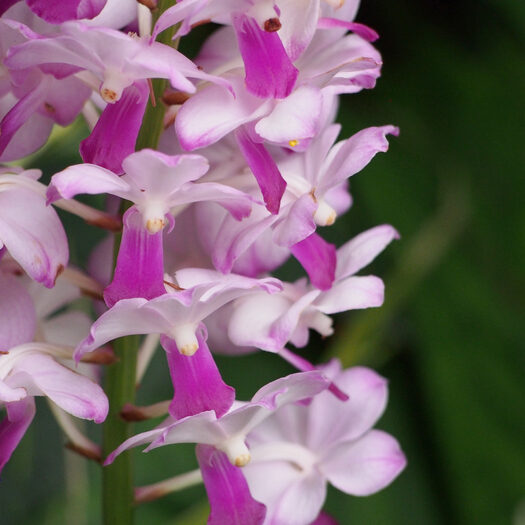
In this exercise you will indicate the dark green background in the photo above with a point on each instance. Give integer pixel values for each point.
(449, 337)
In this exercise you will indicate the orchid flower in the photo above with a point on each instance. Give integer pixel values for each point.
(229, 432)
(115, 60)
(291, 120)
(154, 182)
(31, 100)
(28, 369)
(177, 313)
(270, 322)
(157, 184)
(300, 448)
(271, 34)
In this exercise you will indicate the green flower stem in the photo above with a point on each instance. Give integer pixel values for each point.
(117, 478)
(153, 122)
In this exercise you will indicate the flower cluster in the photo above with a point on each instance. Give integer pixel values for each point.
(201, 234)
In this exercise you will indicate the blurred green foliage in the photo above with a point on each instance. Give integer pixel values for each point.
(449, 337)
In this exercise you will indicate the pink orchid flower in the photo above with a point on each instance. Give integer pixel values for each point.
(299, 449)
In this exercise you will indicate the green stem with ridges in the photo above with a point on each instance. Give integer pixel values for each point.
(117, 478)
(153, 122)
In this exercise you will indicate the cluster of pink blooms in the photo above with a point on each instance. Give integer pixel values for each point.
(200, 236)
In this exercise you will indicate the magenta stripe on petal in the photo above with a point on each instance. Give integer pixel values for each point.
(365, 32)
(196, 380)
(115, 134)
(21, 112)
(58, 12)
(304, 365)
(6, 4)
(269, 71)
(139, 271)
(14, 426)
(318, 258)
(264, 169)
(324, 519)
(230, 499)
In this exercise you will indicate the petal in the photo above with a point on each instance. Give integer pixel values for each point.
(66, 328)
(14, 426)
(352, 293)
(301, 501)
(199, 428)
(332, 421)
(324, 519)
(365, 32)
(239, 204)
(29, 137)
(318, 258)
(162, 175)
(298, 223)
(137, 440)
(22, 111)
(294, 119)
(213, 112)
(283, 328)
(196, 380)
(365, 466)
(252, 319)
(66, 10)
(230, 238)
(269, 71)
(127, 317)
(6, 4)
(264, 169)
(72, 392)
(352, 155)
(298, 19)
(139, 271)
(180, 12)
(235, 425)
(116, 131)
(228, 492)
(363, 249)
(33, 234)
(85, 178)
(17, 313)
(9, 394)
